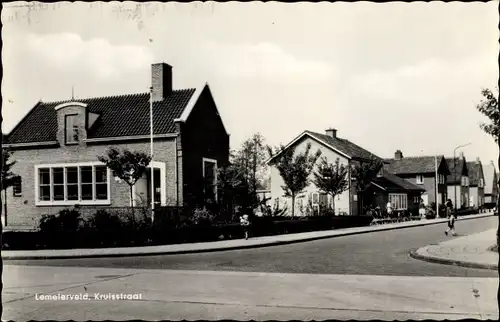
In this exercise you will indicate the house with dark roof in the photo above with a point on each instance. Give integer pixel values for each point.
(458, 181)
(387, 187)
(490, 185)
(332, 148)
(421, 171)
(56, 146)
(476, 184)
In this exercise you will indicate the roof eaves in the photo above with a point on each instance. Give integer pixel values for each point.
(314, 137)
(191, 104)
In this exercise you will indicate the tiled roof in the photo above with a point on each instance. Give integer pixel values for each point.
(489, 172)
(125, 115)
(474, 172)
(344, 146)
(412, 165)
(392, 182)
(456, 170)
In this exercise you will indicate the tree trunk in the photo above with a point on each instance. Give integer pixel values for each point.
(132, 205)
(5, 207)
(293, 205)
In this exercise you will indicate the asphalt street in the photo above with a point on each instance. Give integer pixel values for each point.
(377, 253)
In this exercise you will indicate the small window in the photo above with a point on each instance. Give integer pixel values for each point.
(420, 179)
(17, 187)
(71, 129)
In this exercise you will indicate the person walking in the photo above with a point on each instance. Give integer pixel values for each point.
(451, 218)
(422, 209)
(245, 223)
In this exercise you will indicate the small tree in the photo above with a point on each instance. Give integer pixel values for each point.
(128, 166)
(489, 108)
(7, 176)
(294, 169)
(363, 172)
(331, 178)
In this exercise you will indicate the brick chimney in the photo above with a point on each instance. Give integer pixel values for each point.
(478, 161)
(331, 132)
(161, 81)
(398, 155)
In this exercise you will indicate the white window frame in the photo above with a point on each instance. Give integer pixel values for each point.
(215, 174)
(399, 201)
(66, 202)
(74, 129)
(420, 176)
(315, 204)
(163, 184)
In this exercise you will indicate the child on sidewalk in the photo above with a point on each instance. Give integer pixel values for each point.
(245, 223)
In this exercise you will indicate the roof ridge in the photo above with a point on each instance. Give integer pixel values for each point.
(128, 95)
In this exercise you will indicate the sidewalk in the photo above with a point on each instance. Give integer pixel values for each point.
(208, 295)
(217, 245)
(469, 251)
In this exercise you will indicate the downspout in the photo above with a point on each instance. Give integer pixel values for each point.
(350, 188)
(176, 173)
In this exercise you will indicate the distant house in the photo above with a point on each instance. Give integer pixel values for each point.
(458, 182)
(388, 187)
(421, 171)
(333, 148)
(476, 184)
(490, 185)
(56, 146)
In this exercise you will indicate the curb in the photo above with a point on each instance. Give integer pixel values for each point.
(437, 260)
(235, 247)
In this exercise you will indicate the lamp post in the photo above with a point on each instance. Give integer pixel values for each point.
(455, 172)
(437, 186)
(152, 166)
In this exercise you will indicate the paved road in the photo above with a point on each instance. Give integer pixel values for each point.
(378, 253)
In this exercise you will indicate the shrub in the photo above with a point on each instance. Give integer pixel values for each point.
(68, 220)
(201, 217)
(102, 222)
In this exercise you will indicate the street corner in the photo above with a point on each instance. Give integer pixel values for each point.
(466, 251)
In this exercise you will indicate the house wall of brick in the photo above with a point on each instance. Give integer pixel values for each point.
(203, 136)
(22, 210)
(429, 185)
(341, 202)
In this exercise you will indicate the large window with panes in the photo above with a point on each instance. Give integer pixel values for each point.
(398, 200)
(68, 184)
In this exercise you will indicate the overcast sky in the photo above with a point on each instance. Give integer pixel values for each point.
(386, 76)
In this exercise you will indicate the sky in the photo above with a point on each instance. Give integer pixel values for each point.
(387, 76)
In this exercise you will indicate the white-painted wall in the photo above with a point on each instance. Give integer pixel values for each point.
(341, 201)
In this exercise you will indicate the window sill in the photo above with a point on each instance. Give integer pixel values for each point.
(74, 203)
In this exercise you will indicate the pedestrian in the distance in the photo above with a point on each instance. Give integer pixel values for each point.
(245, 223)
(421, 209)
(451, 219)
(388, 209)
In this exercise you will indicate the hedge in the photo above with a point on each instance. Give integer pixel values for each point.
(164, 235)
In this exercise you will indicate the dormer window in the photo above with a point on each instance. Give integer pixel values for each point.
(420, 179)
(71, 128)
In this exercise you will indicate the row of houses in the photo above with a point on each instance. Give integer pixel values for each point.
(56, 146)
(405, 182)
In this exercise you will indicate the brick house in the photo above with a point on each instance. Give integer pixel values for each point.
(332, 147)
(421, 171)
(388, 187)
(490, 185)
(458, 181)
(57, 143)
(476, 185)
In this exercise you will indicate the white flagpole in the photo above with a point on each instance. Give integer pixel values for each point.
(437, 189)
(151, 164)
